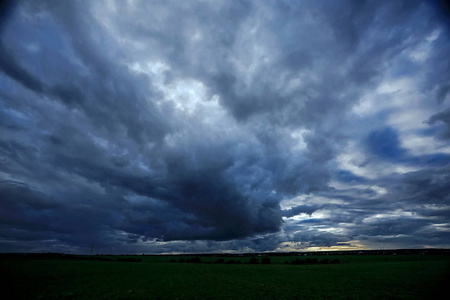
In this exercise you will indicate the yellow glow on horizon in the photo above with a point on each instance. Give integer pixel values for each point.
(341, 246)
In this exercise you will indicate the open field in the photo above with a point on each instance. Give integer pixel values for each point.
(155, 277)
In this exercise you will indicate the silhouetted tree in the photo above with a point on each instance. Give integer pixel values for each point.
(196, 260)
(253, 261)
(265, 260)
(220, 261)
(311, 261)
(299, 262)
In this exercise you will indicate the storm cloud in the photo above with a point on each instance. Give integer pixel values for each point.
(201, 126)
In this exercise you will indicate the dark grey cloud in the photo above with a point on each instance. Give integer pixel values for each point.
(223, 126)
(442, 117)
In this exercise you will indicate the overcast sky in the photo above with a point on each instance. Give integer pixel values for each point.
(206, 126)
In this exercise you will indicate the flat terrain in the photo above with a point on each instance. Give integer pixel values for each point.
(155, 277)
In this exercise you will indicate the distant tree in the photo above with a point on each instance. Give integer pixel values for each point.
(311, 261)
(231, 261)
(324, 261)
(220, 261)
(265, 260)
(196, 260)
(299, 261)
(335, 261)
(253, 261)
(182, 260)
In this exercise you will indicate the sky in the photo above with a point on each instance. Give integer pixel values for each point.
(224, 126)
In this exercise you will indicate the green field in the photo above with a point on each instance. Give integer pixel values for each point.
(356, 277)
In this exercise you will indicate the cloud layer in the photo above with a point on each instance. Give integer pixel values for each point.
(148, 126)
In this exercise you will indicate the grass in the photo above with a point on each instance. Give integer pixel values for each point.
(363, 277)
